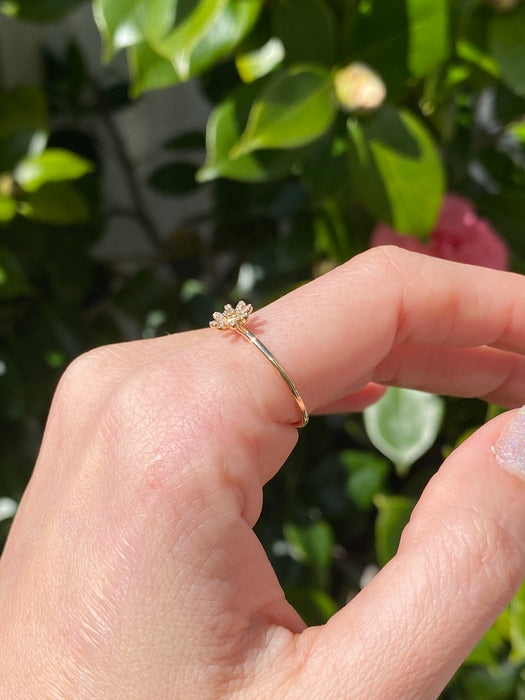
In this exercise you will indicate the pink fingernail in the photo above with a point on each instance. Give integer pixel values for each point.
(510, 447)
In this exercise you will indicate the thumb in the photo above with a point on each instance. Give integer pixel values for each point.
(460, 561)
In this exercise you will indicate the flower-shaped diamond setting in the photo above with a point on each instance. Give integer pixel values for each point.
(231, 317)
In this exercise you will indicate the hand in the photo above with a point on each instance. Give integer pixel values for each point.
(132, 570)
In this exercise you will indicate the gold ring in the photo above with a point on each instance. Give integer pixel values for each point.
(234, 319)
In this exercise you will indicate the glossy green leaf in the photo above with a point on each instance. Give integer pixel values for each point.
(225, 127)
(403, 425)
(7, 208)
(397, 170)
(403, 38)
(52, 165)
(507, 45)
(56, 203)
(38, 10)
(174, 178)
(124, 23)
(306, 29)
(312, 544)
(224, 35)
(393, 514)
(367, 475)
(149, 70)
(295, 108)
(160, 62)
(260, 61)
(178, 45)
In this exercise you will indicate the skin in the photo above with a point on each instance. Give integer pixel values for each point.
(132, 570)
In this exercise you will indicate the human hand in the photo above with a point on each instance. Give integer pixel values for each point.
(132, 571)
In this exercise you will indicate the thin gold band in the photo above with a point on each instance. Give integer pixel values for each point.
(234, 319)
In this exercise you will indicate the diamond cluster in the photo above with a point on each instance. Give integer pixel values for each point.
(231, 317)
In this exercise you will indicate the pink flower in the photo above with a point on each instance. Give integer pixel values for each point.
(460, 235)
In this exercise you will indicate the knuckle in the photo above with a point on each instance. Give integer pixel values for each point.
(84, 370)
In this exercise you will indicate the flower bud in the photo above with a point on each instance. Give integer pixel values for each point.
(359, 88)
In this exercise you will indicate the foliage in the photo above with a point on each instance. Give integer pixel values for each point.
(326, 116)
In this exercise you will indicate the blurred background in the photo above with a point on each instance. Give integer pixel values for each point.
(158, 163)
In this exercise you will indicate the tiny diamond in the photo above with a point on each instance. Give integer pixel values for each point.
(231, 317)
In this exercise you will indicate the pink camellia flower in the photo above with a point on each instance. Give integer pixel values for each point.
(460, 235)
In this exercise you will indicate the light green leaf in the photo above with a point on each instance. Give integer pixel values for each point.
(261, 61)
(7, 208)
(223, 36)
(306, 29)
(225, 127)
(393, 514)
(396, 170)
(507, 45)
(367, 475)
(57, 203)
(403, 425)
(149, 70)
(124, 23)
(312, 544)
(178, 45)
(52, 165)
(295, 108)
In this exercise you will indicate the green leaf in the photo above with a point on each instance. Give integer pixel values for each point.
(225, 126)
(260, 61)
(225, 34)
(403, 425)
(56, 203)
(52, 165)
(367, 475)
(124, 23)
(312, 544)
(160, 61)
(295, 108)
(396, 170)
(507, 45)
(307, 31)
(174, 178)
(402, 38)
(38, 10)
(178, 45)
(393, 514)
(7, 208)
(149, 70)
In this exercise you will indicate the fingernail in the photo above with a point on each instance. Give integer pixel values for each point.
(510, 447)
